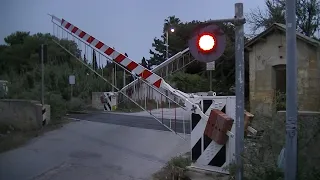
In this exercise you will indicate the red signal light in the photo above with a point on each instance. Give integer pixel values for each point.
(207, 42)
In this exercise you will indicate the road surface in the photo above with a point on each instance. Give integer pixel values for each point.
(86, 150)
(136, 120)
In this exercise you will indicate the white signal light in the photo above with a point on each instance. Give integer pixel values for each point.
(206, 42)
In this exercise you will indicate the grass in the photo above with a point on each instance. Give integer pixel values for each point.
(13, 138)
(174, 169)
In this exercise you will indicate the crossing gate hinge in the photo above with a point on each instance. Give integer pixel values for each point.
(230, 134)
(193, 109)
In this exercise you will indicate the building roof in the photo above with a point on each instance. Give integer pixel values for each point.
(281, 27)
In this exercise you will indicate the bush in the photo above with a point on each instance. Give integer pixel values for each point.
(261, 156)
(75, 104)
(174, 169)
(189, 82)
(57, 105)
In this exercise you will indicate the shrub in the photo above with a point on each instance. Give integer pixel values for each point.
(75, 104)
(174, 169)
(261, 156)
(57, 105)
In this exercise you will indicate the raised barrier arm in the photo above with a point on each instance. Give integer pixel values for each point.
(130, 65)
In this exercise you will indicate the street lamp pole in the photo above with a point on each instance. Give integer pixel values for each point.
(167, 41)
(167, 44)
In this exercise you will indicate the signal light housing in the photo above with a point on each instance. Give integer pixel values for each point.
(207, 44)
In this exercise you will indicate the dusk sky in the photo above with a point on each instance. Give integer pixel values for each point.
(127, 25)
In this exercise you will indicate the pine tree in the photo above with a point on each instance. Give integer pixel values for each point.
(144, 63)
(94, 60)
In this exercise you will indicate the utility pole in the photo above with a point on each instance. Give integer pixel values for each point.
(291, 93)
(239, 48)
(43, 57)
(208, 51)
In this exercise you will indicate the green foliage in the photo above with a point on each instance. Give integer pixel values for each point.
(260, 156)
(174, 169)
(307, 14)
(280, 101)
(20, 66)
(189, 82)
(180, 161)
(76, 104)
(16, 38)
(224, 73)
(57, 105)
(144, 63)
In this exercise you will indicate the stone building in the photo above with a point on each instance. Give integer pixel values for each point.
(267, 69)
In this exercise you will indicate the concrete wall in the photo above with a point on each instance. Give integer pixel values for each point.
(96, 102)
(271, 52)
(23, 114)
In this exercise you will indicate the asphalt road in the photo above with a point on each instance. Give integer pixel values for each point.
(125, 119)
(85, 150)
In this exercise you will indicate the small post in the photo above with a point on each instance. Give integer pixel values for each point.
(112, 76)
(210, 80)
(210, 68)
(115, 76)
(169, 110)
(145, 102)
(175, 119)
(161, 109)
(124, 78)
(239, 57)
(71, 91)
(72, 81)
(184, 126)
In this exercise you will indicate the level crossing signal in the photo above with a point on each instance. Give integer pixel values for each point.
(208, 43)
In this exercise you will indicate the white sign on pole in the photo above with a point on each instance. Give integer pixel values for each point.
(72, 80)
(210, 66)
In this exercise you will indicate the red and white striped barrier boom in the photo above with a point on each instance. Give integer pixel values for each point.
(118, 57)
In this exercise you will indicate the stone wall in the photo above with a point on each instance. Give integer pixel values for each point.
(264, 56)
(23, 114)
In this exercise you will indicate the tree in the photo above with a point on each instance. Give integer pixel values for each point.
(144, 63)
(225, 66)
(20, 65)
(94, 60)
(85, 58)
(308, 16)
(158, 55)
(16, 38)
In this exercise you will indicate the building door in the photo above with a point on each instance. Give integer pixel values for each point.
(280, 86)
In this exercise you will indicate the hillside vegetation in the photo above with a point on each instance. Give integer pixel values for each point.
(20, 65)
